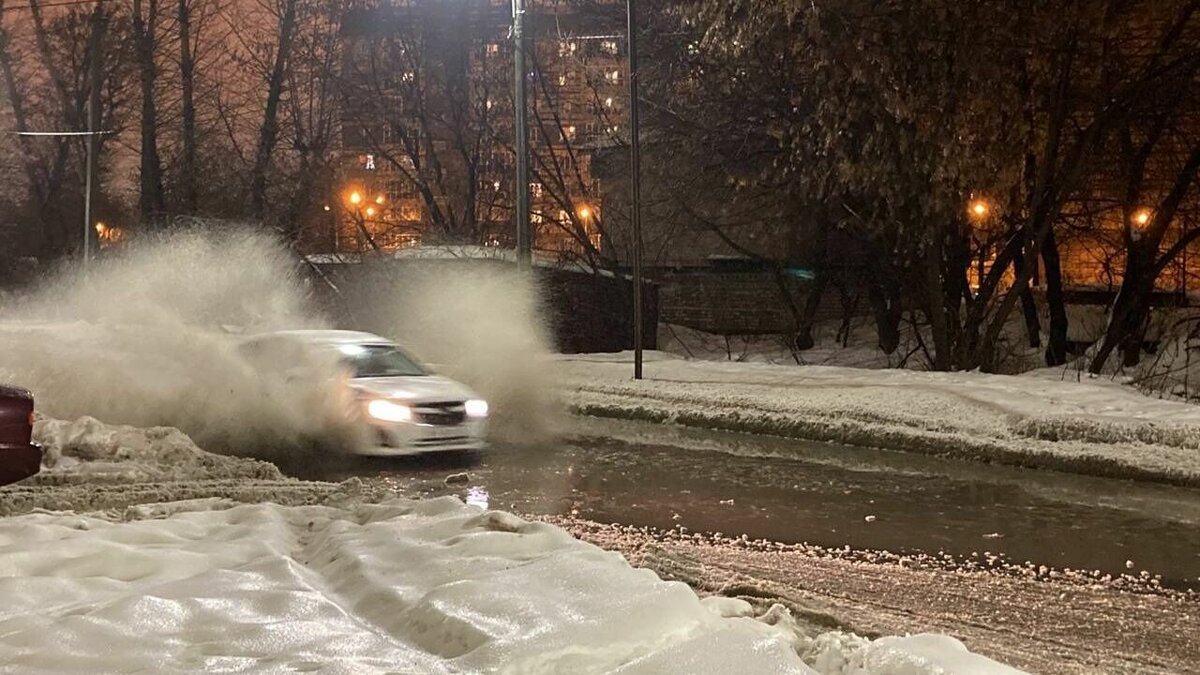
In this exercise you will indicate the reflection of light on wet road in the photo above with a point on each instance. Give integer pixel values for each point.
(477, 495)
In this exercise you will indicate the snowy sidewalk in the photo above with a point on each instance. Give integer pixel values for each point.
(1099, 427)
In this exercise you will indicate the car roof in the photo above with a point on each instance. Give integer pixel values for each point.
(331, 337)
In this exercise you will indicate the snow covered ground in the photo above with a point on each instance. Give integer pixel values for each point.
(1040, 420)
(357, 582)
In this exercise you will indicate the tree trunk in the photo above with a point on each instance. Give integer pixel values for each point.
(1125, 309)
(1029, 311)
(1056, 346)
(150, 198)
(935, 303)
(187, 76)
(883, 292)
(812, 302)
(269, 131)
(1136, 323)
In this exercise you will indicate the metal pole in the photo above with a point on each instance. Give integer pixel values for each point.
(96, 81)
(524, 231)
(635, 170)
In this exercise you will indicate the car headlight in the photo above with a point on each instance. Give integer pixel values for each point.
(476, 408)
(387, 411)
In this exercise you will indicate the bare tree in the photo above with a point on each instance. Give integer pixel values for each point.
(151, 202)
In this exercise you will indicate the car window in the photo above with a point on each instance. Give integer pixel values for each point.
(378, 361)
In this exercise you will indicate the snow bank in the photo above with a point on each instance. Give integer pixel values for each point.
(837, 653)
(417, 586)
(1095, 427)
(90, 466)
(87, 450)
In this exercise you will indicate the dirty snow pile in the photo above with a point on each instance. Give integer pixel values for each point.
(87, 450)
(428, 586)
(1094, 427)
(91, 466)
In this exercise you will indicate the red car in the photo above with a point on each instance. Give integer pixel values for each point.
(20, 457)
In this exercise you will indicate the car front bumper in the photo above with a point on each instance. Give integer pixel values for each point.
(404, 438)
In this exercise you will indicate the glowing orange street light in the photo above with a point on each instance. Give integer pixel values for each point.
(584, 212)
(370, 210)
(101, 228)
(1141, 217)
(379, 199)
(356, 197)
(978, 208)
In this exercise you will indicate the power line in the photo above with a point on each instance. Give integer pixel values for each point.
(63, 133)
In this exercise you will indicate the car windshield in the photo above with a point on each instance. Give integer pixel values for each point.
(378, 361)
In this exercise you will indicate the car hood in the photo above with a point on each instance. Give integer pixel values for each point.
(424, 388)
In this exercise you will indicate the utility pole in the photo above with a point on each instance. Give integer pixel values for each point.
(635, 170)
(95, 83)
(524, 228)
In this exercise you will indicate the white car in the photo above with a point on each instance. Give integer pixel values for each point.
(403, 408)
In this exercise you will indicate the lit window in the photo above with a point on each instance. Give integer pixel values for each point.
(609, 46)
(613, 76)
(536, 189)
(563, 216)
(569, 132)
(493, 48)
(608, 102)
(562, 80)
(490, 103)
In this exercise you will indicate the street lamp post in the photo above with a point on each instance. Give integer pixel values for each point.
(521, 144)
(635, 170)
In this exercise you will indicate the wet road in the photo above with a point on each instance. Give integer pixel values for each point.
(793, 491)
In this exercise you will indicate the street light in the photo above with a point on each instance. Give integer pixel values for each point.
(1142, 216)
(356, 198)
(978, 209)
